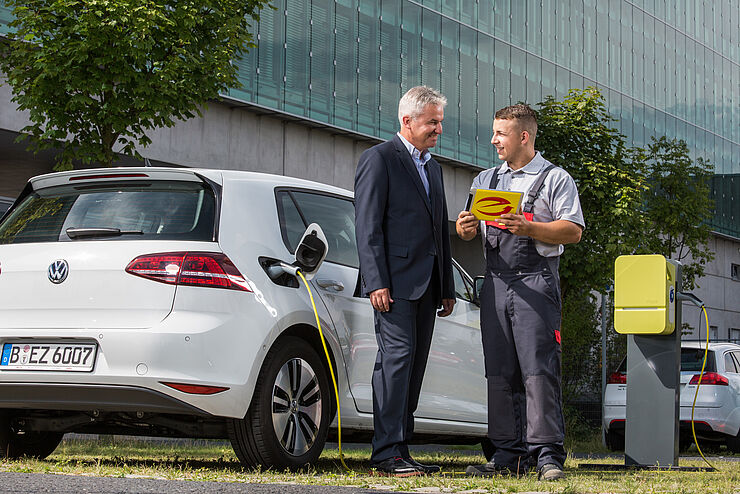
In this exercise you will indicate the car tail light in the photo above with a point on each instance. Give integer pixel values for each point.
(711, 378)
(617, 378)
(195, 389)
(206, 269)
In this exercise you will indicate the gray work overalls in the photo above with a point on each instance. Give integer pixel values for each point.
(520, 328)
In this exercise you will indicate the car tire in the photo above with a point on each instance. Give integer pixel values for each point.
(288, 419)
(685, 441)
(614, 441)
(733, 443)
(32, 444)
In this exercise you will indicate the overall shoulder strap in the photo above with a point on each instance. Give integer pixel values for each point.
(536, 188)
(494, 178)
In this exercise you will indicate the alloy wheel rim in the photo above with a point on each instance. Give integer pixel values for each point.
(296, 406)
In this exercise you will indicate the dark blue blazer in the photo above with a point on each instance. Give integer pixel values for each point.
(400, 231)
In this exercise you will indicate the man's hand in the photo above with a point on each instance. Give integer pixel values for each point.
(466, 225)
(516, 223)
(447, 305)
(381, 299)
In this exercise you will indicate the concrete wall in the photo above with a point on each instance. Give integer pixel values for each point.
(719, 292)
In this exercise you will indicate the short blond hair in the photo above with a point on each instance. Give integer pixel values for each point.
(416, 99)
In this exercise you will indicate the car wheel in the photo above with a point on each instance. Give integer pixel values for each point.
(713, 447)
(685, 442)
(733, 443)
(32, 444)
(614, 441)
(287, 422)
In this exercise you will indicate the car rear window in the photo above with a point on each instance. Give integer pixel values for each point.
(161, 210)
(691, 361)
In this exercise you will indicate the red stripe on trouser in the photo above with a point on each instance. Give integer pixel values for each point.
(557, 336)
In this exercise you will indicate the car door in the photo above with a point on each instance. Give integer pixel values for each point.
(335, 281)
(454, 385)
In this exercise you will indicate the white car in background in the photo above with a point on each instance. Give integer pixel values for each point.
(717, 411)
(138, 301)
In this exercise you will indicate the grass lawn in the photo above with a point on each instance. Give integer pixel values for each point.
(215, 461)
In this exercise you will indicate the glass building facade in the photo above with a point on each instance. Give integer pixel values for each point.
(665, 67)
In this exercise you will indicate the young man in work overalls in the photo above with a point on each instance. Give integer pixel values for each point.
(520, 299)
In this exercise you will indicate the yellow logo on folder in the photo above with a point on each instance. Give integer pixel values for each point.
(488, 205)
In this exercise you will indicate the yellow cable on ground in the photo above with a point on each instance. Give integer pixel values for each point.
(331, 371)
(701, 374)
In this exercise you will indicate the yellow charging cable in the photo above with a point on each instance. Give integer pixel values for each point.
(698, 384)
(331, 371)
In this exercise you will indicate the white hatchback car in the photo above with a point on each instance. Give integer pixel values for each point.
(717, 411)
(138, 301)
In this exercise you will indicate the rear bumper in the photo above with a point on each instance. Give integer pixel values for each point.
(706, 420)
(91, 397)
(199, 348)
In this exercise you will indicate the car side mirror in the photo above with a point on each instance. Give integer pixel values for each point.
(477, 286)
(311, 250)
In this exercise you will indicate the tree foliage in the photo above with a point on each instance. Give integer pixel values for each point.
(98, 74)
(678, 207)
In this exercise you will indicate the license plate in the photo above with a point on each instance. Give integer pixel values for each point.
(78, 357)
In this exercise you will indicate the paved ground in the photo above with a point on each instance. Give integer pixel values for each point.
(27, 483)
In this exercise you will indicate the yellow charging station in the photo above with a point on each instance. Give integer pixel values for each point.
(647, 310)
(644, 295)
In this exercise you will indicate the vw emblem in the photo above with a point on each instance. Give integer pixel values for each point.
(58, 271)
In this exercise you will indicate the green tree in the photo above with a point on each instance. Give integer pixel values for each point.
(98, 74)
(678, 206)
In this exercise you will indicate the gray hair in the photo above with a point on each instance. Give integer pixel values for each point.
(416, 99)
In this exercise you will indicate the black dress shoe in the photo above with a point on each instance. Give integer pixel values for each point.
(427, 469)
(396, 467)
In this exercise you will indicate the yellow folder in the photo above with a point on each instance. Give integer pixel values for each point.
(488, 205)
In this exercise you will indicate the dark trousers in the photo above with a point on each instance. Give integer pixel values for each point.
(404, 335)
(520, 317)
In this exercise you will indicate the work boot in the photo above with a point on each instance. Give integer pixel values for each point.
(550, 472)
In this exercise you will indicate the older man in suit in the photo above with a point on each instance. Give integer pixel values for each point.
(405, 269)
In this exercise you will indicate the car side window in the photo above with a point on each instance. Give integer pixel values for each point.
(730, 363)
(335, 215)
(463, 290)
(292, 225)
(736, 357)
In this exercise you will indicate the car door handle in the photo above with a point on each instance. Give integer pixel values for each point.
(336, 285)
